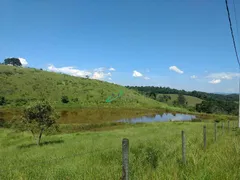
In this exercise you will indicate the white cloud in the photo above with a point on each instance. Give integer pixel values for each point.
(175, 68)
(193, 77)
(110, 78)
(112, 69)
(137, 74)
(23, 61)
(215, 81)
(98, 73)
(147, 78)
(223, 75)
(70, 70)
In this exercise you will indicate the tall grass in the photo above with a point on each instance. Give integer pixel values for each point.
(155, 153)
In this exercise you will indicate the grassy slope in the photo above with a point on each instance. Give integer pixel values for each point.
(155, 153)
(192, 101)
(27, 83)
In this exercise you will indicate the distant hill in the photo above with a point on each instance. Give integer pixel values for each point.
(198, 94)
(192, 101)
(225, 93)
(19, 86)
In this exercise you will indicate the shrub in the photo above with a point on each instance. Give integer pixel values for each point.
(65, 99)
(2, 100)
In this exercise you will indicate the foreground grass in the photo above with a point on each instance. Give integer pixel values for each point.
(155, 153)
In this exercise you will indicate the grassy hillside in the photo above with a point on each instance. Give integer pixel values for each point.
(192, 101)
(22, 85)
(155, 153)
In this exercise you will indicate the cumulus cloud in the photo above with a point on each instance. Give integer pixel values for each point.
(193, 77)
(215, 81)
(23, 61)
(176, 69)
(70, 70)
(223, 75)
(137, 74)
(98, 73)
(112, 69)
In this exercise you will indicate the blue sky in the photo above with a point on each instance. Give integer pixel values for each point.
(141, 40)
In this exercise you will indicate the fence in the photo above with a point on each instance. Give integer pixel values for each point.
(126, 145)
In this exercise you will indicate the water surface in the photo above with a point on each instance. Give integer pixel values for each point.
(160, 118)
(101, 115)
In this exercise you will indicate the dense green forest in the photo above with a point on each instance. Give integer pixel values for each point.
(212, 103)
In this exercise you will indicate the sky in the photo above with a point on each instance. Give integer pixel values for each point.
(183, 44)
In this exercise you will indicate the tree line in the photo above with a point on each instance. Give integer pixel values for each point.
(198, 94)
(212, 103)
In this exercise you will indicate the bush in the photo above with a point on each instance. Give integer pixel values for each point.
(65, 99)
(192, 109)
(2, 100)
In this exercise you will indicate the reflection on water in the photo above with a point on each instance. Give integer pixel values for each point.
(160, 118)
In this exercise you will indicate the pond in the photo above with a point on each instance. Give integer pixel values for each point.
(101, 115)
(160, 118)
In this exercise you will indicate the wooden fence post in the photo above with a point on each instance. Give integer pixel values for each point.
(125, 159)
(215, 131)
(204, 137)
(183, 148)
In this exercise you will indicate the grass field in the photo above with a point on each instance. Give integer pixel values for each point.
(192, 101)
(22, 85)
(155, 153)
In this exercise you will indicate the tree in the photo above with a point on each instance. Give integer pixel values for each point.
(39, 117)
(152, 95)
(175, 103)
(181, 100)
(65, 99)
(12, 61)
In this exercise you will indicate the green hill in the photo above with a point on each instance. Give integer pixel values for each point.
(192, 101)
(19, 86)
